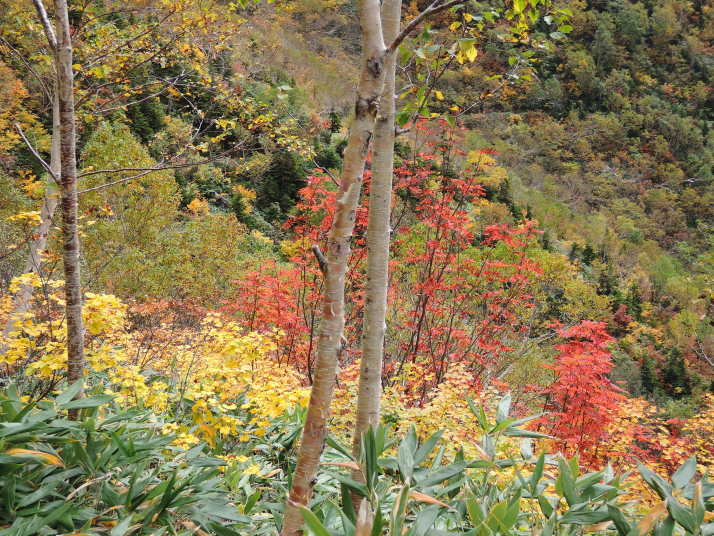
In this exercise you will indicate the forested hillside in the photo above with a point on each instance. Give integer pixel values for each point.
(357, 267)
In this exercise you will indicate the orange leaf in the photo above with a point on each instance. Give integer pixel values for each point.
(647, 522)
(421, 497)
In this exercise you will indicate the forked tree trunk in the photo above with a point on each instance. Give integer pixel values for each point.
(38, 244)
(70, 256)
(378, 235)
(338, 251)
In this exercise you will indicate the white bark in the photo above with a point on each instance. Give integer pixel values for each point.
(338, 252)
(378, 235)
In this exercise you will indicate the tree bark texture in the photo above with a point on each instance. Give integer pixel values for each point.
(378, 238)
(68, 152)
(337, 255)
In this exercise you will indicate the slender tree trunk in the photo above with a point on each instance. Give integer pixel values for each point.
(39, 243)
(338, 250)
(378, 234)
(70, 257)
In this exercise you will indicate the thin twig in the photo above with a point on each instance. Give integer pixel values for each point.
(29, 67)
(35, 153)
(326, 172)
(146, 171)
(87, 484)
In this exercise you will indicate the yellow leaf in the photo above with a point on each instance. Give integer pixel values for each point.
(439, 95)
(349, 465)
(468, 17)
(471, 54)
(46, 457)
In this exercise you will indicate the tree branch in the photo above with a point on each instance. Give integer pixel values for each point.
(146, 171)
(433, 9)
(49, 30)
(321, 260)
(35, 153)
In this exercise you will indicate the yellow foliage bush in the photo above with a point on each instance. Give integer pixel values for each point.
(446, 410)
(217, 368)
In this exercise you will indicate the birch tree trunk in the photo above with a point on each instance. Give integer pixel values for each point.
(338, 252)
(378, 234)
(70, 256)
(39, 242)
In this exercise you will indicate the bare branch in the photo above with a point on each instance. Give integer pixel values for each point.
(143, 99)
(321, 260)
(49, 30)
(35, 153)
(145, 171)
(433, 9)
(326, 172)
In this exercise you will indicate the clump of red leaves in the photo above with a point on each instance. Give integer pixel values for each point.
(582, 401)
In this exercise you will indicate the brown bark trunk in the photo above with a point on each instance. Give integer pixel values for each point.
(70, 256)
(378, 234)
(39, 243)
(338, 251)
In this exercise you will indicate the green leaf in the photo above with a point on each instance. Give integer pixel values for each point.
(399, 510)
(479, 413)
(122, 527)
(655, 481)
(405, 459)
(685, 473)
(518, 432)
(314, 524)
(475, 511)
(584, 517)
(347, 505)
(425, 521)
(91, 402)
(331, 441)
(445, 473)
(585, 481)
(565, 28)
(402, 117)
(425, 448)
(352, 484)
(666, 528)
(565, 484)
(69, 393)
(537, 473)
(545, 505)
(251, 502)
(681, 514)
(379, 522)
(618, 518)
(502, 424)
